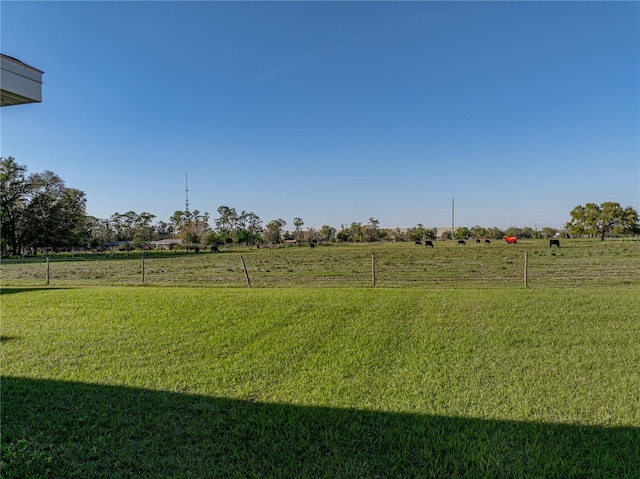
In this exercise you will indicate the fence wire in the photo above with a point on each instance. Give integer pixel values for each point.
(386, 265)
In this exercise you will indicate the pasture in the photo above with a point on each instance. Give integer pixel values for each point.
(449, 375)
(401, 265)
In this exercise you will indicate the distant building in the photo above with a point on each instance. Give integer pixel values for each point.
(166, 243)
(19, 83)
(442, 229)
(121, 245)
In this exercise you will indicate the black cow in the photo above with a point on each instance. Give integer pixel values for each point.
(428, 243)
(418, 242)
(215, 249)
(554, 242)
(478, 241)
(313, 245)
(461, 242)
(487, 241)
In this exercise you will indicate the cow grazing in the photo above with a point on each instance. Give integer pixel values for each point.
(487, 241)
(428, 243)
(313, 245)
(554, 242)
(511, 239)
(462, 242)
(418, 242)
(215, 249)
(478, 241)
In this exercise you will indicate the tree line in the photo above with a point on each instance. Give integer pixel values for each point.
(39, 211)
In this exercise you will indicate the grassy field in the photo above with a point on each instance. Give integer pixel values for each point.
(325, 382)
(576, 263)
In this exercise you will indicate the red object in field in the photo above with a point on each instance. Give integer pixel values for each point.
(511, 239)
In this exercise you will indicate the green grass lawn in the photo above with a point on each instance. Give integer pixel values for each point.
(300, 382)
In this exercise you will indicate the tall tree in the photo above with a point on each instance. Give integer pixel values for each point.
(462, 233)
(528, 232)
(311, 235)
(371, 231)
(191, 226)
(13, 200)
(478, 231)
(164, 229)
(446, 235)
(495, 233)
(144, 229)
(55, 215)
(131, 225)
(199, 225)
(297, 222)
(355, 232)
(396, 235)
(602, 219)
(248, 228)
(39, 210)
(225, 223)
(548, 232)
(100, 231)
(238, 228)
(175, 221)
(327, 233)
(431, 233)
(513, 231)
(417, 233)
(273, 231)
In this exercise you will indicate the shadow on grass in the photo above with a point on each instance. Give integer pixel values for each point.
(106, 256)
(4, 291)
(59, 429)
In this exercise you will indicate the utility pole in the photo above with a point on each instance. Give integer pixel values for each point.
(453, 208)
(452, 218)
(186, 211)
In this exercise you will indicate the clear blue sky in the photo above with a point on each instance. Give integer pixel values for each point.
(333, 112)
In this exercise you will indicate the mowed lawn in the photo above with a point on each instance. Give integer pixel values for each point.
(299, 382)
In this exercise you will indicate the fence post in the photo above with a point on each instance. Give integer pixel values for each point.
(246, 273)
(373, 268)
(526, 269)
(47, 275)
(143, 267)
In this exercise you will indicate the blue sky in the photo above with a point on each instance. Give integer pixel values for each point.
(333, 112)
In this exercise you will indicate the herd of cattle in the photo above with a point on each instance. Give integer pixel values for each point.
(429, 243)
(508, 240)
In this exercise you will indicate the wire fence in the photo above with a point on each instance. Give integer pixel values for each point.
(369, 265)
